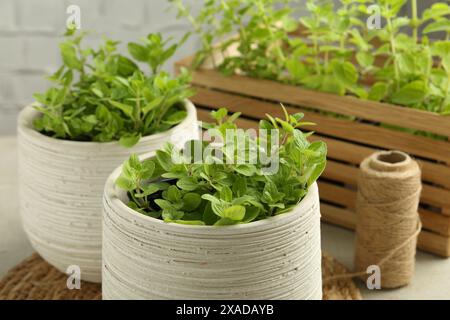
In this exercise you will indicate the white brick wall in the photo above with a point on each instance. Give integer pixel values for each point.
(30, 31)
(7, 14)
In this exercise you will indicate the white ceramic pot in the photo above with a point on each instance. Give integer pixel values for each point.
(61, 187)
(146, 258)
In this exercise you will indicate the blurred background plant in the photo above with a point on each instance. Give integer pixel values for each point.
(331, 49)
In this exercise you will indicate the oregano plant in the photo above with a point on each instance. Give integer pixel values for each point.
(219, 189)
(257, 28)
(335, 51)
(101, 95)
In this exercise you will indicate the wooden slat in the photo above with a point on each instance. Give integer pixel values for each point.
(435, 173)
(350, 130)
(348, 174)
(279, 92)
(348, 152)
(446, 208)
(434, 243)
(345, 197)
(435, 196)
(336, 194)
(428, 241)
(341, 172)
(341, 217)
(435, 222)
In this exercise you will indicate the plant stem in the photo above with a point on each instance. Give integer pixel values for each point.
(162, 113)
(414, 20)
(315, 36)
(137, 124)
(394, 52)
(316, 54)
(136, 200)
(197, 28)
(278, 51)
(447, 38)
(343, 36)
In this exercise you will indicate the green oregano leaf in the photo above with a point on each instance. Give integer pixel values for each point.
(129, 140)
(410, 93)
(236, 213)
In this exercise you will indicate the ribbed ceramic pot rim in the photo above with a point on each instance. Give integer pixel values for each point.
(116, 197)
(29, 113)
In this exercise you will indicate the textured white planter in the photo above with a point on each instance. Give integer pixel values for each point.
(61, 188)
(146, 258)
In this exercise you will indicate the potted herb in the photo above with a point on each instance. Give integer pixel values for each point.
(368, 90)
(101, 108)
(263, 35)
(201, 223)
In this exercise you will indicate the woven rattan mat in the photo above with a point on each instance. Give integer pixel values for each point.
(35, 279)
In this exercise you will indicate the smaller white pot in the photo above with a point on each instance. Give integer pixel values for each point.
(61, 187)
(146, 258)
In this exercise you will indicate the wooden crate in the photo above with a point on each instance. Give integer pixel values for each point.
(351, 136)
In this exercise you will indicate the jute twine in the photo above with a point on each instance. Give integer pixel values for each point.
(388, 224)
(342, 289)
(35, 279)
(389, 187)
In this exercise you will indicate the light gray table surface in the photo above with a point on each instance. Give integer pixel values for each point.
(431, 281)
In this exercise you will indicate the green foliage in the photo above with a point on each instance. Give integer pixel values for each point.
(336, 53)
(262, 26)
(212, 192)
(101, 95)
(153, 51)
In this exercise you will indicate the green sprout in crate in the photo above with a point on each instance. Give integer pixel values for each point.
(227, 192)
(260, 28)
(334, 51)
(101, 95)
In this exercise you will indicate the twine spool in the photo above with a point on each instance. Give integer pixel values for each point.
(146, 258)
(61, 187)
(389, 187)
